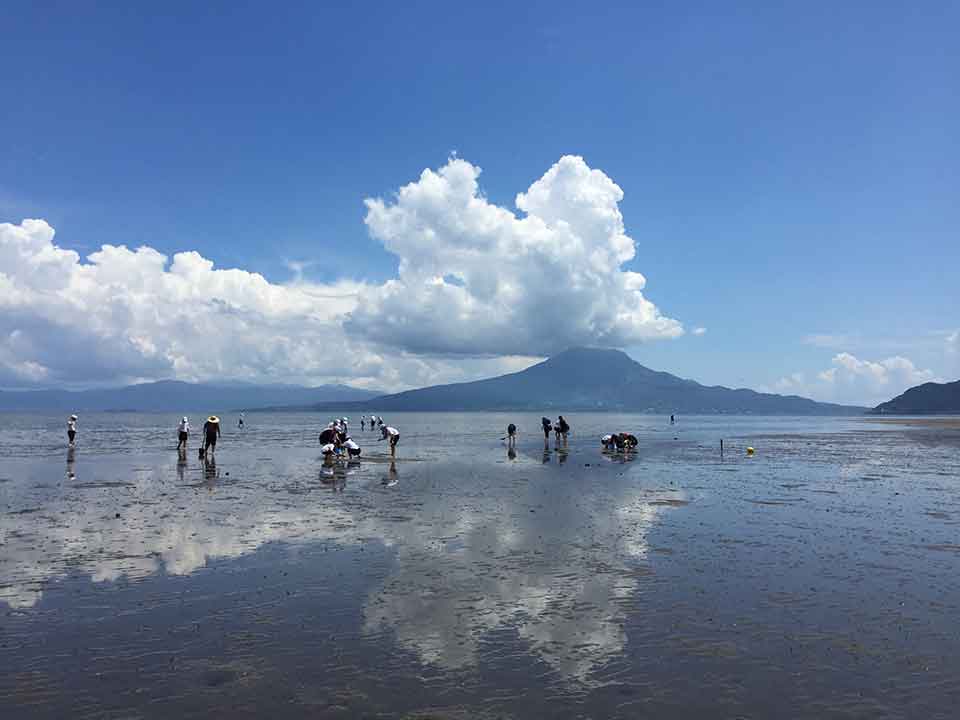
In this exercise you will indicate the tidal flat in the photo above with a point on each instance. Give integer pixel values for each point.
(819, 578)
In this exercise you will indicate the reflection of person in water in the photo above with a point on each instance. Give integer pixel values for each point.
(181, 468)
(391, 477)
(562, 455)
(327, 476)
(71, 457)
(511, 452)
(210, 473)
(546, 452)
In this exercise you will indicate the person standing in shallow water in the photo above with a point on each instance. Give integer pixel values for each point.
(71, 429)
(564, 428)
(211, 431)
(183, 432)
(547, 429)
(511, 435)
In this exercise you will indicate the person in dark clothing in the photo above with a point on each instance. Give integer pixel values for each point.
(547, 428)
(629, 441)
(72, 429)
(327, 435)
(564, 428)
(211, 431)
(511, 434)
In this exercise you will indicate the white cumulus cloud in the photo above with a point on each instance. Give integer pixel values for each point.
(852, 380)
(125, 315)
(480, 291)
(476, 278)
(953, 342)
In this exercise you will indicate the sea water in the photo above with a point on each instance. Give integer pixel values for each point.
(818, 578)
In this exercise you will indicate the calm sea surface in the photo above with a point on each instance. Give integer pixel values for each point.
(818, 579)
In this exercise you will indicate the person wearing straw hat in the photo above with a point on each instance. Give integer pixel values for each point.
(211, 431)
(72, 428)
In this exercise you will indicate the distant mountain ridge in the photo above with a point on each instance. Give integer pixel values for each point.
(927, 399)
(176, 396)
(597, 379)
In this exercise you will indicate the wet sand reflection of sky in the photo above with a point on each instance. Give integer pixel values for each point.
(608, 579)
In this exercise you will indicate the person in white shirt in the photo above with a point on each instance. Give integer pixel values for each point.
(390, 432)
(183, 431)
(72, 428)
(353, 450)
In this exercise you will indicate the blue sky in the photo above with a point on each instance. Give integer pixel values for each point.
(787, 171)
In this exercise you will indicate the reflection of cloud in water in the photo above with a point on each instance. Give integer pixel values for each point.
(558, 577)
(560, 582)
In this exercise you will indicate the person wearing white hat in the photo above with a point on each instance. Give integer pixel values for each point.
(393, 434)
(183, 432)
(72, 429)
(211, 431)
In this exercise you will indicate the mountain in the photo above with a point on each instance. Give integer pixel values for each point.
(927, 399)
(593, 379)
(175, 396)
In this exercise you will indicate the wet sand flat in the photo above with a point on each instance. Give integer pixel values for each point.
(819, 578)
(952, 423)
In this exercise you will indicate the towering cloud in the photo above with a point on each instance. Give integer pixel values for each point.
(476, 278)
(475, 281)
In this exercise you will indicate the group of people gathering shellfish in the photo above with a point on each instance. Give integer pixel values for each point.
(335, 439)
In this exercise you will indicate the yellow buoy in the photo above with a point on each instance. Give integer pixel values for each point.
(749, 451)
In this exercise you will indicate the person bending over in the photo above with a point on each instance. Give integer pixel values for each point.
(547, 428)
(393, 434)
